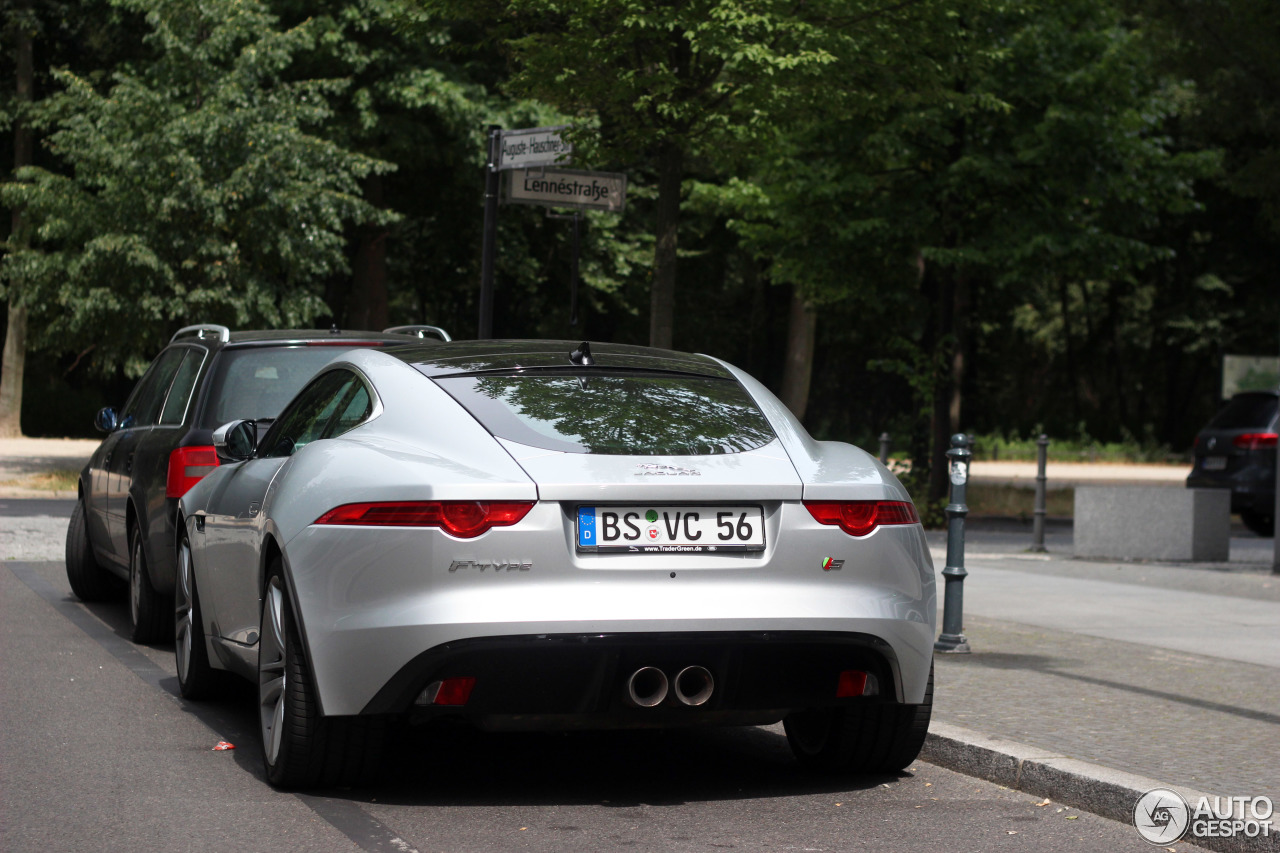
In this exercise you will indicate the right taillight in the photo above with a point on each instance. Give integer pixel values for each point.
(1255, 440)
(858, 518)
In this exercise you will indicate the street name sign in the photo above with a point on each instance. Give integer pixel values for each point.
(535, 146)
(568, 188)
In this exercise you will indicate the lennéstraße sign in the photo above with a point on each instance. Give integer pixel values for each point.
(535, 146)
(568, 188)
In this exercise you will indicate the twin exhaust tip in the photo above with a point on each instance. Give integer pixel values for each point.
(649, 686)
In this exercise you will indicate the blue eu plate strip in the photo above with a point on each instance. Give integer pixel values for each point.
(586, 526)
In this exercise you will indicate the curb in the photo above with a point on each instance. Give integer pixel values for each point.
(1109, 793)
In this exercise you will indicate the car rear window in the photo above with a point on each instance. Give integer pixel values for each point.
(635, 415)
(257, 382)
(1247, 411)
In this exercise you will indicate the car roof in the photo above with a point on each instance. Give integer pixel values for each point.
(456, 357)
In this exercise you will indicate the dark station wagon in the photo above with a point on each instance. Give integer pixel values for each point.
(161, 443)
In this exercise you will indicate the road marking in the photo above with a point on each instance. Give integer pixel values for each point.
(366, 832)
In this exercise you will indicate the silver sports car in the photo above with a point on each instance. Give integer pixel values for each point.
(550, 535)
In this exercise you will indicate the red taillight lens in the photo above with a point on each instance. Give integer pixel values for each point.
(450, 691)
(852, 682)
(186, 466)
(858, 518)
(464, 519)
(1255, 440)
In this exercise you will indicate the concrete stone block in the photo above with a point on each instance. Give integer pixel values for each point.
(1153, 523)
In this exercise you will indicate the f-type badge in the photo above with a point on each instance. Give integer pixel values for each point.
(496, 565)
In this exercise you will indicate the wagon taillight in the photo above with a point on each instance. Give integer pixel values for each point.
(187, 466)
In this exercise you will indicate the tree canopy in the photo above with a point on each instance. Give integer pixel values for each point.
(919, 217)
(193, 184)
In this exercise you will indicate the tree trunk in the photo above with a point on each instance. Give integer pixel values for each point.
(960, 321)
(367, 305)
(941, 421)
(798, 370)
(15, 343)
(1064, 299)
(15, 360)
(662, 295)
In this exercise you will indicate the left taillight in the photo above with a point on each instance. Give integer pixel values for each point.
(858, 518)
(464, 519)
(186, 466)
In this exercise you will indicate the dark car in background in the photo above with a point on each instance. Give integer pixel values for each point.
(161, 443)
(1237, 451)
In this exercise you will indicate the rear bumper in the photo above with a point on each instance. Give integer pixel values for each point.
(579, 680)
(375, 604)
(1251, 488)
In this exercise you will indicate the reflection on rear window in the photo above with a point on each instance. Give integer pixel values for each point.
(1247, 411)
(257, 382)
(615, 415)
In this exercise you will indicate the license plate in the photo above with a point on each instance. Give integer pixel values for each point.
(670, 529)
(1215, 463)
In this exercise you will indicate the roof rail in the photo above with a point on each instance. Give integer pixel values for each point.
(203, 330)
(421, 331)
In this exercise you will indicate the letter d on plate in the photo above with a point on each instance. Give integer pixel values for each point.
(586, 526)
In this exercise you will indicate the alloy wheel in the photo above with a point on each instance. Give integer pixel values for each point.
(183, 601)
(271, 671)
(135, 580)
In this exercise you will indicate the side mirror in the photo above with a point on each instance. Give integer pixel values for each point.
(235, 441)
(105, 420)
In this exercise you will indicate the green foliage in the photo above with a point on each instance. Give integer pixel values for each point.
(1090, 192)
(195, 187)
(1229, 48)
(1073, 448)
(702, 75)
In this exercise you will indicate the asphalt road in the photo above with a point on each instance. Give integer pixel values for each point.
(100, 753)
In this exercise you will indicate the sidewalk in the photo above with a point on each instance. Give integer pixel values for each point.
(1170, 672)
(22, 459)
(1059, 474)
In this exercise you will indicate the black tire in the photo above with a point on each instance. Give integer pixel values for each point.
(1261, 523)
(300, 747)
(150, 613)
(197, 679)
(863, 738)
(89, 581)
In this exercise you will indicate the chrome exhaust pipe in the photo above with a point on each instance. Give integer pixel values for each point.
(694, 685)
(647, 687)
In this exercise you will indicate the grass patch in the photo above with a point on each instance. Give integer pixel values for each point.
(1084, 449)
(52, 481)
(1016, 501)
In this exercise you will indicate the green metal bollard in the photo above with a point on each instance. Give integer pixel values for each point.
(952, 639)
(1042, 458)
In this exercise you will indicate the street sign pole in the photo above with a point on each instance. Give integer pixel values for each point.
(489, 245)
